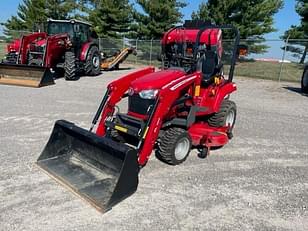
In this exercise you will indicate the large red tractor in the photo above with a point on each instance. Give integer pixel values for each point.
(68, 44)
(184, 106)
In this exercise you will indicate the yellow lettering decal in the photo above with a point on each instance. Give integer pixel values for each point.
(121, 129)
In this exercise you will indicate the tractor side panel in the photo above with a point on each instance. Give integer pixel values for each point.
(212, 97)
(222, 92)
(85, 49)
(55, 49)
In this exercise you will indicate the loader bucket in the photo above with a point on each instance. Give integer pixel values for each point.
(98, 169)
(24, 75)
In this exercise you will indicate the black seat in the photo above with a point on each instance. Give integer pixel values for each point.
(209, 66)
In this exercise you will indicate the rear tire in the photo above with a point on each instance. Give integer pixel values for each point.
(70, 67)
(304, 82)
(174, 146)
(225, 116)
(93, 62)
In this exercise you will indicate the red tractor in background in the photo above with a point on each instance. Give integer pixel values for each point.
(183, 106)
(68, 44)
(12, 51)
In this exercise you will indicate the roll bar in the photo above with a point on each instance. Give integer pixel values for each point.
(236, 43)
(197, 43)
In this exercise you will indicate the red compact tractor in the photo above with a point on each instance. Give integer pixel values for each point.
(68, 44)
(184, 106)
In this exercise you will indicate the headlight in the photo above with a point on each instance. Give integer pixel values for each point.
(148, 94)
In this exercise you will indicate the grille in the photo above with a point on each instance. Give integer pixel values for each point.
(138, 105)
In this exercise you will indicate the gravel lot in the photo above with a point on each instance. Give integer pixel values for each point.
(259, 181)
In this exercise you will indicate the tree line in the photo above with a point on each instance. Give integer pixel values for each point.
(148, 19)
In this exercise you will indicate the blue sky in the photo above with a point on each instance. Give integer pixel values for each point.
(283, 19)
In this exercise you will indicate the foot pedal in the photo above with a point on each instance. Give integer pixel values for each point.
(203, 152)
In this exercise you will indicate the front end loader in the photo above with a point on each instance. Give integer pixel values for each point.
(184, 106)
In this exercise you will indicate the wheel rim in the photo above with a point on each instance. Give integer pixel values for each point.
(95, 61)
(181, 148)
(305, 79)
(230, 118)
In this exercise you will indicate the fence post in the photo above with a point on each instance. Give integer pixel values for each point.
(151, 50)
(283, 57)
(136, 51)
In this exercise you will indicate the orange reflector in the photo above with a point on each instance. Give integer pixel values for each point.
(217, 80)
(197, 90)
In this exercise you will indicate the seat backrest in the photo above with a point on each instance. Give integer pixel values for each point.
(207, 64)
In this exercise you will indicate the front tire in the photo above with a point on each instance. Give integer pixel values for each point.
(174, 146)
(70, 67)
(304, 82)
(93, 62)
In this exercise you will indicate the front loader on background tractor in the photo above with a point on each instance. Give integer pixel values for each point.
(68, 44)
(183, 106)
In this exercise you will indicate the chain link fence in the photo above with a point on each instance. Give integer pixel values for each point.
(273, 59)
(147, 51)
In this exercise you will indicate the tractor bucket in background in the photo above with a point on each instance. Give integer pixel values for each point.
(98, 169)
(24, 75)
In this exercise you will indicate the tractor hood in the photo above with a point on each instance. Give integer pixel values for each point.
(156, 80)
(41, 42)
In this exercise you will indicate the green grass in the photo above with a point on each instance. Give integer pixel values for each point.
(2, 50)
(270, 70)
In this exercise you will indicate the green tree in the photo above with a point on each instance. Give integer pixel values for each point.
(253, 18)
(32, 12)
(297, 45)
(156, 17)
(110, 18)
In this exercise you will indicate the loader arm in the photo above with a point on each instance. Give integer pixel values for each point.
(116, 90)
(25, 41)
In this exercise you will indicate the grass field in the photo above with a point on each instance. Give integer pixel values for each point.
(270, 70)
(2, 50)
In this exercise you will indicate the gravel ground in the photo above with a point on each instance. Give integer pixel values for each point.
(259, 181)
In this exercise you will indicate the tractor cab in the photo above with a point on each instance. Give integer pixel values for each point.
(197, 46)
(77, 30)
